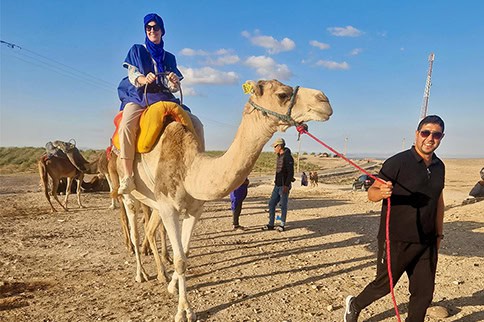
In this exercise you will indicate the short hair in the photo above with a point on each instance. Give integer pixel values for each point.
(431, 119)
(482, 173)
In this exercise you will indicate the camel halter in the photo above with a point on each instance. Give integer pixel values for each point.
(283, 117)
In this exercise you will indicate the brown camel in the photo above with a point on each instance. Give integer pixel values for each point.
(60, 167)
(176, 178)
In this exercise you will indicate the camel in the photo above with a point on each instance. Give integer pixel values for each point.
(176, 178)
(151, 223)
(61, 167)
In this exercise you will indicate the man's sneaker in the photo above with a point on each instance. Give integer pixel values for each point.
(126, 185)
(351, 314)
(280, 229)
(239, 227)
(268, 227)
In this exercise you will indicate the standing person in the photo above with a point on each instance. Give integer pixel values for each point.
(144, 63)
(304, 179)
(414, 180)
(282, 184)
(237, 197)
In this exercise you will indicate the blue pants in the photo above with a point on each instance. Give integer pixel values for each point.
(278, 196)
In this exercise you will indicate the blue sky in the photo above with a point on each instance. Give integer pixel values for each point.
(369, 57)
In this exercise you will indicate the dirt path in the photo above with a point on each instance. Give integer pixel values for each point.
(73, 266)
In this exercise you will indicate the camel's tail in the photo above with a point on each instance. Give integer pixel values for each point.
(44, 178)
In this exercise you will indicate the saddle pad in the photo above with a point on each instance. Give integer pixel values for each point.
(152, 121)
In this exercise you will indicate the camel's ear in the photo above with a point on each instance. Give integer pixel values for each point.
(252, 88)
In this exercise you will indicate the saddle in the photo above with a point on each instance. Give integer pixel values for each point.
(66, 150)
(152, 123)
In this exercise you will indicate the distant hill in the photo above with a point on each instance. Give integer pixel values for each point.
(24, 160)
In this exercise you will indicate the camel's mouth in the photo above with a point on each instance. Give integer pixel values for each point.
(320, 113)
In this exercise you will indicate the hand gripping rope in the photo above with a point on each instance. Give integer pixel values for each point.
(303, 129)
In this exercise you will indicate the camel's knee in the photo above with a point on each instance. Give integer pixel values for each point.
(180, 265)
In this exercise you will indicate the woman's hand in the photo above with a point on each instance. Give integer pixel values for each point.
(173, 78)
(173, 82)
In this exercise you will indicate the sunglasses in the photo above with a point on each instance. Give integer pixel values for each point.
(154, 27)
(435, 135)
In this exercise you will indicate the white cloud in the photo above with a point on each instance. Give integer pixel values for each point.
(267, 68)
(208, 75)
(348, 31)
(356, 51)
(193, 52)
(272, 45)
(189, 91)
(333, 65)
(224, 60)
(320, 45)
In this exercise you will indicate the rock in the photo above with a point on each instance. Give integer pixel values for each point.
(438, 312)
(330, 308)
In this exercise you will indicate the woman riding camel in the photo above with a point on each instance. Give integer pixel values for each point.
(151, 66)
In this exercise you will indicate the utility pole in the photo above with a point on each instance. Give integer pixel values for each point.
(346, 141)
(428, 83)
(298, 153)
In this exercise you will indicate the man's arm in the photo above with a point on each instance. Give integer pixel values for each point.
(439, 220)
(379, 191)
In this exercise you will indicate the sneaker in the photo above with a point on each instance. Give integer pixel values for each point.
(351, 314)
(126, 185)
(239, 227)
(280, 229)
(268, 227)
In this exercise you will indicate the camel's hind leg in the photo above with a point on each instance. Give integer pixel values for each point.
(170, 218)
(45, 182)
(132, 206)
(150, 235)
(123, 218)
(55, 185)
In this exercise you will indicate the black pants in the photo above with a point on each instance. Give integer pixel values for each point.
(236, 213)
(419, 261)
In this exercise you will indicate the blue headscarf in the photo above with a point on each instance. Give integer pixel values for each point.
(156, 50)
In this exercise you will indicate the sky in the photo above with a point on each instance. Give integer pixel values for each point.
(369, 57)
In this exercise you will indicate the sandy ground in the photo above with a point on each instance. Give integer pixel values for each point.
(73, 266)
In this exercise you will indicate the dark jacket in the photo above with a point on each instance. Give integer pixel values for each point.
(284, 169)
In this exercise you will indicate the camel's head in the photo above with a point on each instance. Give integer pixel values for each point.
(278, 100)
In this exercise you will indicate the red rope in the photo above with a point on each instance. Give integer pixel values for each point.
(302, 129)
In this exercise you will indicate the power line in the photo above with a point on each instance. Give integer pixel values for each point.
(58, 67)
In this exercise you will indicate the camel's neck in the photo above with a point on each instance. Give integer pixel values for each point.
(214, 178)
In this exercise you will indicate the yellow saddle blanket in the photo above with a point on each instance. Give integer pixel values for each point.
(152, 122)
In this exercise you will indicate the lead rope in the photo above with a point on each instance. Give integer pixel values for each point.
(302, 129)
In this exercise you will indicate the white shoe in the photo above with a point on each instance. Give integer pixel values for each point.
(126, 185)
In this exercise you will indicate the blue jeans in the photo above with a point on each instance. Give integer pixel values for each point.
(280, 197)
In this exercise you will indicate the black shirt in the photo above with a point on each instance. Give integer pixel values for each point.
(416, 191)
(284, 169)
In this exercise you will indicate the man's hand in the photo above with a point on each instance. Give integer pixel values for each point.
(380, 190)
(285, 189)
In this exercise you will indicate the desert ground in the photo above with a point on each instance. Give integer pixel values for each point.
(73, 266)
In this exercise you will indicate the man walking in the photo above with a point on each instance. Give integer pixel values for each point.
(282, 184)
(414, 180)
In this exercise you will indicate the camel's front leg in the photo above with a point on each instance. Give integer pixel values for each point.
(79, 183)
(132, 206)
(170, 218)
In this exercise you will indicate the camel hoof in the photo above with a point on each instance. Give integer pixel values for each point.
(162, 278)
(188, 314)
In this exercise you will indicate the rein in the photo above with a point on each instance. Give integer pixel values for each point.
(283, 117)
(163, 74)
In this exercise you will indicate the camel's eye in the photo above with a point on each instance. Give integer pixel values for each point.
(283, 96)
